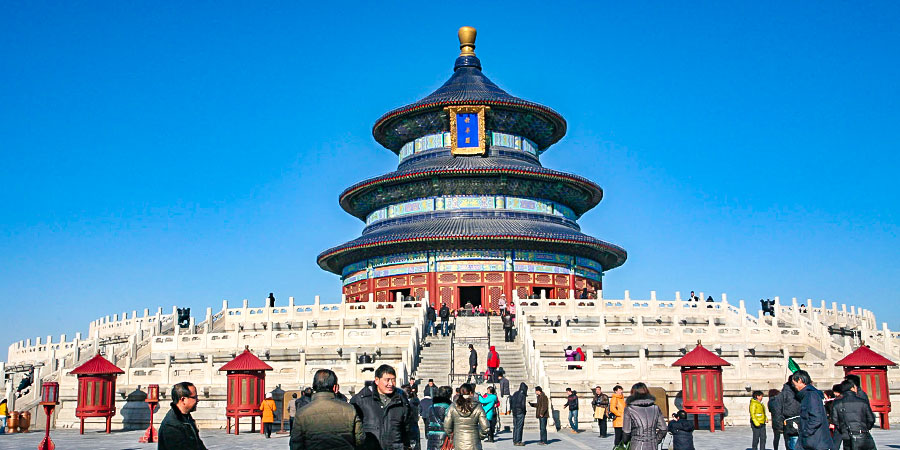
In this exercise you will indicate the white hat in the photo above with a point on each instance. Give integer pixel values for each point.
(268, 395)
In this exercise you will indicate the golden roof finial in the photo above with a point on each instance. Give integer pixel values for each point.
(466, 41)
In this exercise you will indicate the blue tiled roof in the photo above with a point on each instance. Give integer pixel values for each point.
(486, 232)
(447, 166)
(468, 85)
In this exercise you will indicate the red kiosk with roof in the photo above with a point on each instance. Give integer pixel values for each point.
(96, 390)
(701, 379)
(872, 371)
(246, 387)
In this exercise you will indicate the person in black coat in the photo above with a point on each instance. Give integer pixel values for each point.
(178, 430)
(853, 418)
(444, 314)
(790, 414)
(517, 403)
(682, 431)
(473, 365)
(430, 318)
(305, 398)
(507, 327)
(385, 413)
(774, 406)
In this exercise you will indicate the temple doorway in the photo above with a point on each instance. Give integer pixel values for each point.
(403, 294)
(470, 294)
(545, 291)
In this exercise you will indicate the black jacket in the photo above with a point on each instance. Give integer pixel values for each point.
(444, 313)
(507, 321)
(179, 432)
(518, 400)
(682, 434)
(790, 408)
(504, 386)
(387, 427)
(852, 414)
(774, 406)
(572, 401)
(429, 314)
(473, 358)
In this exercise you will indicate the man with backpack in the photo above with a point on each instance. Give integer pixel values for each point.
(444, 314)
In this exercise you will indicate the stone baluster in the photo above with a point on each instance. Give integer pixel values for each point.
(210, 370)
(777, 312)
(301, 370)
(591, 365)
(643, 367)
(380, 329)
(76, 348)
(175, 326)
(795, 311)
(641, 332)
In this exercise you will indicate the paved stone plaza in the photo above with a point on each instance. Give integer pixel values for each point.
(731, 438)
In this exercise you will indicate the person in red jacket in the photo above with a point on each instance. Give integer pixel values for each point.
(493, 363)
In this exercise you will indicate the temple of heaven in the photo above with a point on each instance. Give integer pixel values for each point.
(470, 214)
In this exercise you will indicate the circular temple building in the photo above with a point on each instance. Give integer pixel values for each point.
(470, 214)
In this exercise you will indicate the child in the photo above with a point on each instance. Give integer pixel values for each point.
(682, 431)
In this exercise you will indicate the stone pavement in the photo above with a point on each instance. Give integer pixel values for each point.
(736, 438)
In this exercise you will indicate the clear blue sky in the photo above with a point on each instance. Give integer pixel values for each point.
(160, 153)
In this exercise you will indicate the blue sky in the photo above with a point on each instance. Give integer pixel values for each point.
(154, 154)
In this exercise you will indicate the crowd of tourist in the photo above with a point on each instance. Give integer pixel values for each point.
(381, 416)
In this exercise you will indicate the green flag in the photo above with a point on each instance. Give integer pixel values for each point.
(792, 365)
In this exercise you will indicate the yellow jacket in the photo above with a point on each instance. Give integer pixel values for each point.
(617, 407)
(268, 409)
(757, 413)
(3, 410)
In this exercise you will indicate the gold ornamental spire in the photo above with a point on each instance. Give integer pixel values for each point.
(466, 41)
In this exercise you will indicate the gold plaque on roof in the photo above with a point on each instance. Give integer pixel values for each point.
(467, 134)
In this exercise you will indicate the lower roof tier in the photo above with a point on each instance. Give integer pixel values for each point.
(484, 233)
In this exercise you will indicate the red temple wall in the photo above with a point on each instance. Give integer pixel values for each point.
(446, 284)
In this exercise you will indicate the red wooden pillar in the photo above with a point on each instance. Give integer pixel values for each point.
(572, 284)
(433, 295)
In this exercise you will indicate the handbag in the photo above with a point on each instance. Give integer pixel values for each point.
(861, 441)
(448, 443)
(792, 426)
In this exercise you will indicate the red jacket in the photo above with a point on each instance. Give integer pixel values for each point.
(581, 356)
(493, 358)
